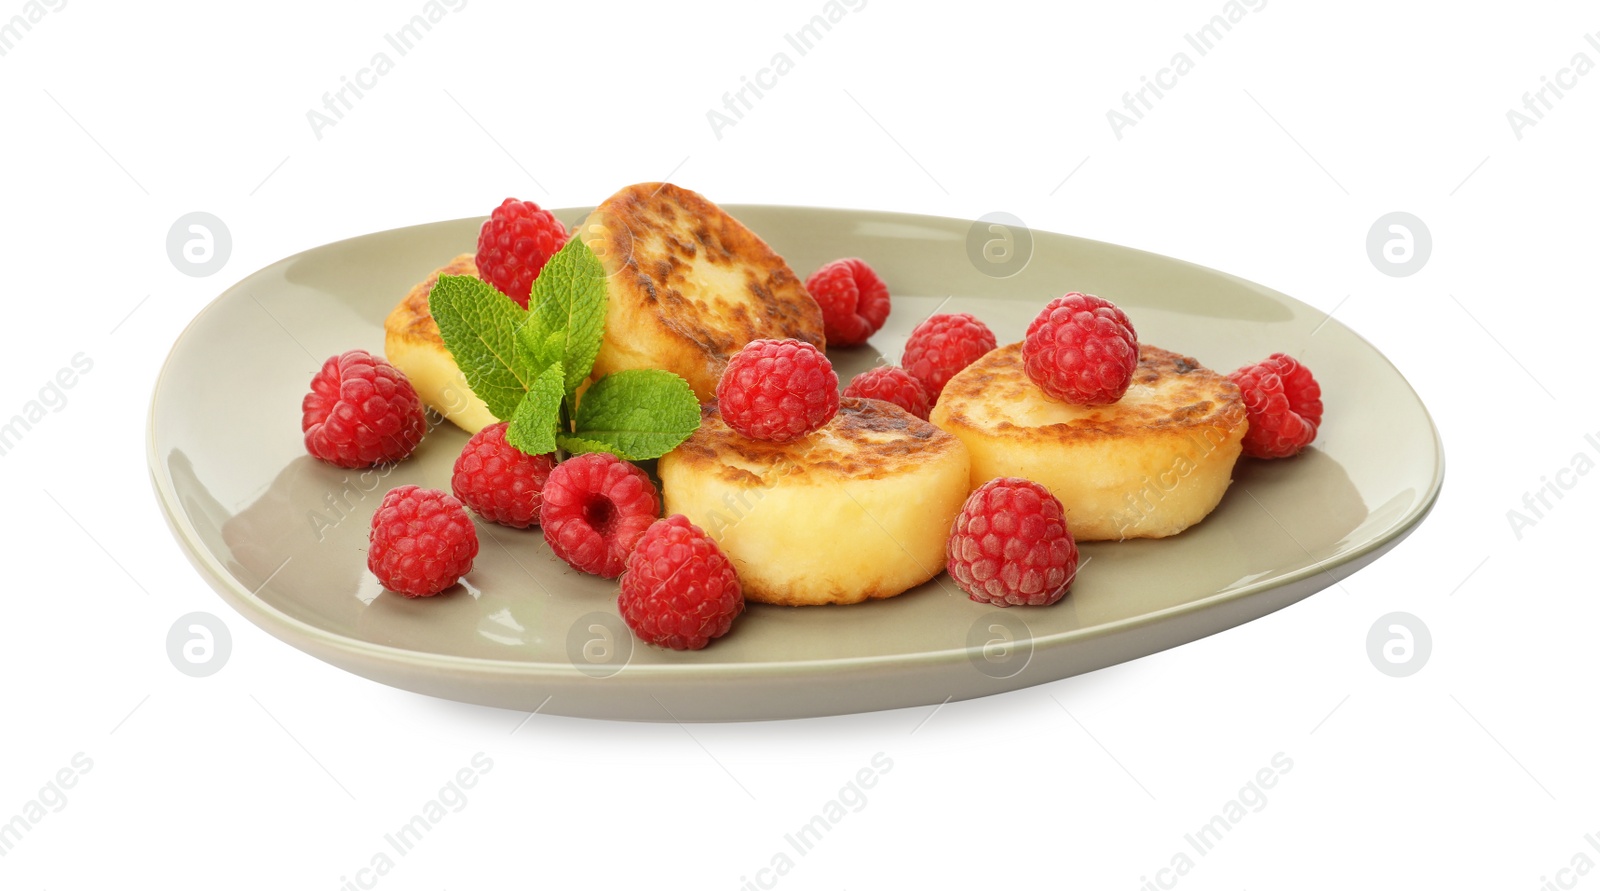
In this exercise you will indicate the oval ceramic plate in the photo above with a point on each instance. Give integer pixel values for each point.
(283, 537)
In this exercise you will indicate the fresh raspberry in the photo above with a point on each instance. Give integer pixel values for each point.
(361, 412)
(1010, 545)
(854, 301)
(891, 384)
(778, 390)
(1283, 403)
(514, 244)
(1081, 349)
(422, 541)
(596, 506)
(680, 590)
(503, 484)
(943, 345)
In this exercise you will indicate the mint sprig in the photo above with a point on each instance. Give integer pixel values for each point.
(527, 365)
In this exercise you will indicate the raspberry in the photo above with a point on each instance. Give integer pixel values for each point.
(1283, 403)
(595, 508)
(943, 345)
(891, 384)
(361, 412)
(680, 590)
(778, 390)
(1010, 545)
(514, 244)
(504, 485)
(854, 301)
(422, 541)
(1081, 349)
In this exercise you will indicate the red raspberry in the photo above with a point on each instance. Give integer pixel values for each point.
(943, 345)
(891, 384)
(595, 508)
(503, 484)
(422, 541)
(854, 301)
(1081, 349)
(514, 244)
(1283, 403)
(361, 412)
(1010, 545)
(680, 590)
(778, 390)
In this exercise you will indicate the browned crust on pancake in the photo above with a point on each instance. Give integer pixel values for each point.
(1194, 396)
(646, 236)
(867, 439)
(410, 319)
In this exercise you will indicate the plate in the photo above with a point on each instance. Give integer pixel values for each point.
(282, 537)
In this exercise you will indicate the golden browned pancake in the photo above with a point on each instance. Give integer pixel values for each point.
(859, 509)
(1147, 466)
(688, 285)
(411, 341)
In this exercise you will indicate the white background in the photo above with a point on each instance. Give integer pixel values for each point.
(1270, 160)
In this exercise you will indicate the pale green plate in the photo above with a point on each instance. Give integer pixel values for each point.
(283, 537)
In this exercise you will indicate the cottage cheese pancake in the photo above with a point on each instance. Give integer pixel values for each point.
(1147, 466)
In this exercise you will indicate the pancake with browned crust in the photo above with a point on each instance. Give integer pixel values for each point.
(856, 510)
(1147, 466)
(688, 285)
(412, 343)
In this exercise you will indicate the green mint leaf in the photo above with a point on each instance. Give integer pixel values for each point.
(637, 414)
(536, 349)
(532, 429)
(577, 445)
(479, 326)
(569, 295)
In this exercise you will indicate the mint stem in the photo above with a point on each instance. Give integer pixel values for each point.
(563, 428)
